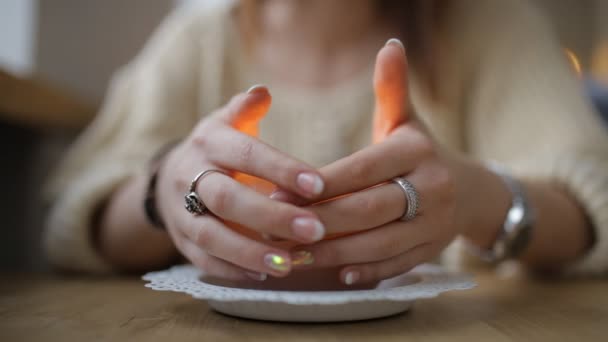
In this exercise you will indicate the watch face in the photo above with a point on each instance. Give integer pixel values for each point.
(516, 214)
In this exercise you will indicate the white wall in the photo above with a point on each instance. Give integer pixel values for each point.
(76, 44)
(18, 20)
(203, 2)
(82, 42)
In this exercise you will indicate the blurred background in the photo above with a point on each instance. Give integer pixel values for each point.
(56, 57)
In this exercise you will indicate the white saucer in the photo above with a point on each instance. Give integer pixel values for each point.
(389, 297)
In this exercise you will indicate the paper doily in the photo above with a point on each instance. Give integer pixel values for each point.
(430, 281)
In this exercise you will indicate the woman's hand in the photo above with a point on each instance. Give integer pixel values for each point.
(218, 142)
(384, 246)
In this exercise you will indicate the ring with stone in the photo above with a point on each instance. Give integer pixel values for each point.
(194, 203)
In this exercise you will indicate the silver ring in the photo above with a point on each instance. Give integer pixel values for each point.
(194, 204)
(411, 197)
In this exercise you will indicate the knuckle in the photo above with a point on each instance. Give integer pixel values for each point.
(361, 171)
(444, 183)
(423, 144)
(203, 236)
(246, 151)
(281, 219)
(180, 184)
(288, 173)
(367, 204)
(200, 140)
(426, 147)
(247, 257)
(200, 137)
(221, 200)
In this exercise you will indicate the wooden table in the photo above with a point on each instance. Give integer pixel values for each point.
(54, 308)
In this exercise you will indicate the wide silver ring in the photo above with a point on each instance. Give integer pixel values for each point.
(411, 197)
(194, 204)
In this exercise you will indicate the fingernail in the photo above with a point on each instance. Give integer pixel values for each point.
(277, 262)
(257, 276)
(351, 277)
(302, 258)
(396, 42)
(308, 228)
(280, 196)
(310, 183)
(256, 88)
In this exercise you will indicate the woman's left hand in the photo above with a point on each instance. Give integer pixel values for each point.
(392, 246)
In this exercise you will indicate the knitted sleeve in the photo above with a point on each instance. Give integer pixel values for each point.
(526, 109)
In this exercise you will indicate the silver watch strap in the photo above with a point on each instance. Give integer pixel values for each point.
(516, 229)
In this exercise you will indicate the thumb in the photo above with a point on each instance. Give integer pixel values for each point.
(390, 88)
(246, 110)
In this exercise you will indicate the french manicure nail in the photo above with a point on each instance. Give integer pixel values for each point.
(308, 228)
(302, 258)
(257, 276)
(396, 42)
(351, 277)
(277, 262)
(256, 88)
(310, 183)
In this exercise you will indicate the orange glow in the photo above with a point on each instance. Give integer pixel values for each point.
(257, 184)
(391, 91)
(574, 61)
(599, 62)
(248, 122)
(387, 116)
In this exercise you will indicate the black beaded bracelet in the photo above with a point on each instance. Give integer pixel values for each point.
(150, 209)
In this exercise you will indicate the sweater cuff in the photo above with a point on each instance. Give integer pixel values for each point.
(69, 240)
(587, 181)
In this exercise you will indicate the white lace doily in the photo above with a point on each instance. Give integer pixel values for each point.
(430, 281)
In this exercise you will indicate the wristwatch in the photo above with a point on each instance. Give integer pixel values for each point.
(516, 230)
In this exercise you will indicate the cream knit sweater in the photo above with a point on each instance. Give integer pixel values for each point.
(506, 94)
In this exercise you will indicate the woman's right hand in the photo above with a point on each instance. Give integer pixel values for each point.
(218, 142)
